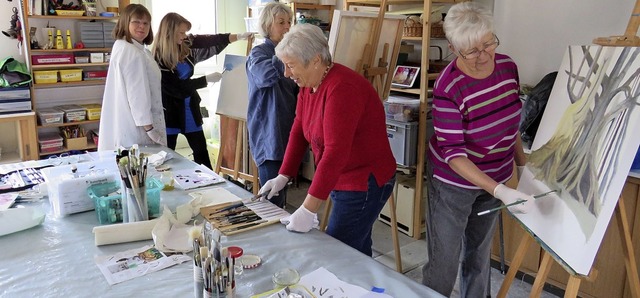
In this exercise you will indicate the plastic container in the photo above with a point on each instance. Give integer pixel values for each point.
(401, 109)
(108, 200)
(403, 138)
(73, 113)
(52, 59)
(50, 116)
(93, 111)
(46, 76)
(50, 142)
(70, 75)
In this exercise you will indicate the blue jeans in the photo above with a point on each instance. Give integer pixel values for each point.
(268, 170)
(354, 213)
(454, 228)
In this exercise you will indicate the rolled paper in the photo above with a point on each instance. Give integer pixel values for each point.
(124, 232)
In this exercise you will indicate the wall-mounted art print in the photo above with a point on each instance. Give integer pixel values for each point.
(583, 148)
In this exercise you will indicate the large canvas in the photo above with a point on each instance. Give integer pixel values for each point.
(352, 31)
(584, 148)
(233, 98)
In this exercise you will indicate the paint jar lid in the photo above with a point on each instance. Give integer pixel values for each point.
(250, 261)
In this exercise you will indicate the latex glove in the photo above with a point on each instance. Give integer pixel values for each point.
(302, 220)
(155, 136)
(274, 185)
(519, 170)
(243, 36)
(509, 195)
(213, 77)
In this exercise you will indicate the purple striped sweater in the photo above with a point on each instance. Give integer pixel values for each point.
(475, 118)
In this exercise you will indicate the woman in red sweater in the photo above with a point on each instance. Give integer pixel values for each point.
(341, 116)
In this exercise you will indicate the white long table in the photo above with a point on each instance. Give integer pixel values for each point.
(56, 259)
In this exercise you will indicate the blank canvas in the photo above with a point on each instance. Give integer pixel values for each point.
(233, 98)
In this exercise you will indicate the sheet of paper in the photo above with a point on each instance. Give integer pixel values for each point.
(134, 263)
(197, 177)
(323, 283)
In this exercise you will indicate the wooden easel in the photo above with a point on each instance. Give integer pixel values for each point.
(629, 39)
(241, 150)
(573, 285)
(375, 74)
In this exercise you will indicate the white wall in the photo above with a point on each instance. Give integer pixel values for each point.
(536, 33)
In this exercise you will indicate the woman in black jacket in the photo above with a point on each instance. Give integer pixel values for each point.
(177, 54)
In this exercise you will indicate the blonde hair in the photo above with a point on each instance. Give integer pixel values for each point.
(268, 16)
(121, 30)
(166, 50)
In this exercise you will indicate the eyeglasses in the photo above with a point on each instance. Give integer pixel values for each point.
(487, 47)
(138, 23)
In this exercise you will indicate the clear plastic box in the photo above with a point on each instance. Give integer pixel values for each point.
(400, 109)
(50, 116)
(50, 142)
(73, 112)
(108, 200)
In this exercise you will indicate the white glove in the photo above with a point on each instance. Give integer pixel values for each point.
(519, 170)
(509, 195)
(155, 136)
(213, 77)
(302, 220)
(243, 36)
(274, 185)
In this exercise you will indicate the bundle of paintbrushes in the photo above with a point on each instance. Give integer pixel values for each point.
(133, 171)
(213, 266)
(236, 217)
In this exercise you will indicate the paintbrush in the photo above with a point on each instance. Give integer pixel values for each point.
(515, 203)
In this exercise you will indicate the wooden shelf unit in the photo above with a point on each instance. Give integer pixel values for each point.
(423, 92)
(41, 93)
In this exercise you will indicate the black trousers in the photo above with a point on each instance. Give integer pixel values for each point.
(198, 144)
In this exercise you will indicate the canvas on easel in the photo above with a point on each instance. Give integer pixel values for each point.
(583, 148)
(351, 37)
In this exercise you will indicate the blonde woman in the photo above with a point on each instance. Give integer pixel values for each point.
(177, 53)
(131, 108)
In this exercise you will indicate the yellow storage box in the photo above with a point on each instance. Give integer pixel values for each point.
(93, 111)
(71, 75)
(46, 76)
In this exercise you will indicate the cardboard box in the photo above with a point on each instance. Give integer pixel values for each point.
(76, 143)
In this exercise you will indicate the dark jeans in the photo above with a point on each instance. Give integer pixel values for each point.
(198, 144)
(454, 228)
(354, 213)
(268, 170)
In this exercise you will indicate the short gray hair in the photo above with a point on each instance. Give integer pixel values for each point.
(467, 23)
(304, 41)
(268, 16)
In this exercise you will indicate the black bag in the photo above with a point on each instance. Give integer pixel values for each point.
(533, 108)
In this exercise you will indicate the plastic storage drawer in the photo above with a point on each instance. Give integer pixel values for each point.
(93, 111)
(403, 138)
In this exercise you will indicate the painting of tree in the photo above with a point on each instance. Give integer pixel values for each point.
(584, 145)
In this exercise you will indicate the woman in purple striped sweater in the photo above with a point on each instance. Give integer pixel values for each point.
(476, 111)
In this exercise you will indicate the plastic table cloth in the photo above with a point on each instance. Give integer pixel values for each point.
(56, 259)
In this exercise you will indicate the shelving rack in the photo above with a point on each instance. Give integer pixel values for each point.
(59, 92)
(423, 92)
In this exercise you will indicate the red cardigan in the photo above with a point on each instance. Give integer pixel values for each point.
(345, 124)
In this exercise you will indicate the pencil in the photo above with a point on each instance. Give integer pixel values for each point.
(515, 203)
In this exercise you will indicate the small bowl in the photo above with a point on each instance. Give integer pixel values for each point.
(285, 277)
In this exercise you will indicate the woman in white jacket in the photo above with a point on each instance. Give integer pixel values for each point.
(132, 103)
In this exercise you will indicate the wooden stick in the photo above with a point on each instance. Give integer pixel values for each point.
(541, 276)
(627, 249)
(515, 265)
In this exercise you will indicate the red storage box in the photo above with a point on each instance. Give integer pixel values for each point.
(95, 74)
(52, 59)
